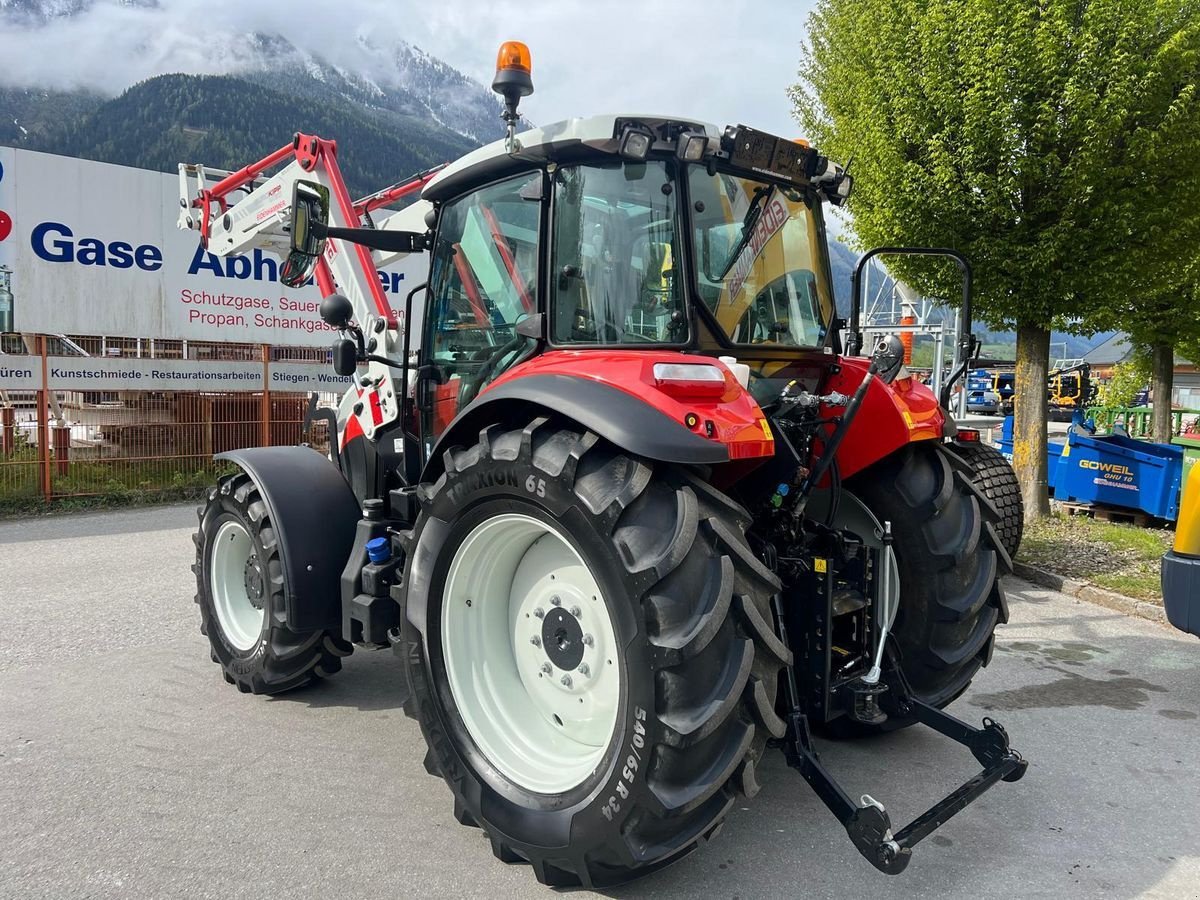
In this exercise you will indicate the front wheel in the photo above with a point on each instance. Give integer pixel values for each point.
(588, 645)
(240, 592)
(994, 475)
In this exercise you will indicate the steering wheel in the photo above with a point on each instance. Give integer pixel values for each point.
(471, 388)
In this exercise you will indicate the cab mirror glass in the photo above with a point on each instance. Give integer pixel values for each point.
(345, 356)
(310, 215)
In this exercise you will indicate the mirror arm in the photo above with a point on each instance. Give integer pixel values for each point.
(383, 360)
(359, 341)
(854, 338)
(376, 239)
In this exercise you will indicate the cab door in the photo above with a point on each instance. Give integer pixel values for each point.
(483, 282)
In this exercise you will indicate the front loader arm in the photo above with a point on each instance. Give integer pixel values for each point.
(247, 209)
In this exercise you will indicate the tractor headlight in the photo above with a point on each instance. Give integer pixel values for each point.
(690, 146)
(636, 142)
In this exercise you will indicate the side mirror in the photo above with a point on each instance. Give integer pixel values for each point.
(887, 358)
(345, 356)
(310, 207)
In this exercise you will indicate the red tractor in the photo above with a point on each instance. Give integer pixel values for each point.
(622, 504)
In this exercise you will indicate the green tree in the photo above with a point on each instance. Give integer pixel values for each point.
(1128, 378)
(1054, 143)
(1159, 326)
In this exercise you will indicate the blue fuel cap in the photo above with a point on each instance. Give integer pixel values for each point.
(379, 550)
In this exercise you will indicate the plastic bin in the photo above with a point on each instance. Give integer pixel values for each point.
(1120, 471)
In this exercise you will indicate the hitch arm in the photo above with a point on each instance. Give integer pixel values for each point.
(867, 823)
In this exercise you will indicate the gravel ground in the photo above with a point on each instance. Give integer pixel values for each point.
(128, 768)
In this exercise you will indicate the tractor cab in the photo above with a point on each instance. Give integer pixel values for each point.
(620, 232)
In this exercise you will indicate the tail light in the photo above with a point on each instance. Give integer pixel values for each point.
(968, 435)
(694, 380)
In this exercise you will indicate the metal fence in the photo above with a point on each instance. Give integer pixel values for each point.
(83, 443)
(1138, 421)
(55, 445)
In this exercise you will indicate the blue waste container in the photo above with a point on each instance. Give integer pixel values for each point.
(1117, 470)
(1053, 451)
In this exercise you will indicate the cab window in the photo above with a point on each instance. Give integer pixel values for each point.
(758, 265)
(615, 270)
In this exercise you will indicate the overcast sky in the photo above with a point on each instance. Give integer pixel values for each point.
(723, 62)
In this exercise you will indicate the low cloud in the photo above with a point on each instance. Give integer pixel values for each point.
(728, 64)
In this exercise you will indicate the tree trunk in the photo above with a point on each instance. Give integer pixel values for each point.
(1029, 418)
(1162, 372)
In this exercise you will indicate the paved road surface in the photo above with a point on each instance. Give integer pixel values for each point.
(128, 768)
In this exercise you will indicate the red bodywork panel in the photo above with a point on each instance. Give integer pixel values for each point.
(732, 418)
(890, 416)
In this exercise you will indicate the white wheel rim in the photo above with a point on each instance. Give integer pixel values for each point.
(232, 584)
(541, 715)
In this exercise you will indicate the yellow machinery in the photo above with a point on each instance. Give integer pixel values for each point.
(1181, 565)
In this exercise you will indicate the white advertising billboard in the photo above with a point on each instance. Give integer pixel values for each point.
(94, 249)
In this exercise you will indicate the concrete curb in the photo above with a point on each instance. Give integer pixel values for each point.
(1142, 609)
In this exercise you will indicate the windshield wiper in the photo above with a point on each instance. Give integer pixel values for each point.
(748, 222)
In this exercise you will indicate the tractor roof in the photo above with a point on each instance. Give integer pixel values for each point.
(568, 138)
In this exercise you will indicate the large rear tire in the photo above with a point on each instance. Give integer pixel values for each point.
(949, 559)
(240, 592)
(994, 475)
(606, 618)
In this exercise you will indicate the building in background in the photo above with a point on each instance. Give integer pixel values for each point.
(1185, 391)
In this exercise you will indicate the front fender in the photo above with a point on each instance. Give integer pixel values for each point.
(313, 514)
(891, 416)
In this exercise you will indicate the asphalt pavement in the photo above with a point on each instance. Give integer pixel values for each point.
(129, 768)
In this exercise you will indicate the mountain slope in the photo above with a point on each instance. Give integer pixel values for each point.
(228, 122)
(392, 107)
(30, 115)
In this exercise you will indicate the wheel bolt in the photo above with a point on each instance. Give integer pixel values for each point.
(584, 670)
(536, 641)
(556, 600)
(576, 611)
(566, 681)
(588, 640)
(540, 613)
(547, 668)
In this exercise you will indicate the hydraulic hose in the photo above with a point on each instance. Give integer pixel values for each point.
(835, 440)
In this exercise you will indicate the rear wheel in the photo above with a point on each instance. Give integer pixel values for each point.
(994, 475)
(240, 592)
(949, 566)
(588, 643)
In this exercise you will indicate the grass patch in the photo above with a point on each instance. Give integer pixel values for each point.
(1121, 558)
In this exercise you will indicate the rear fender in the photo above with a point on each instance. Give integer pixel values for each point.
(613, 394)
(891, 416)
(313, 513)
